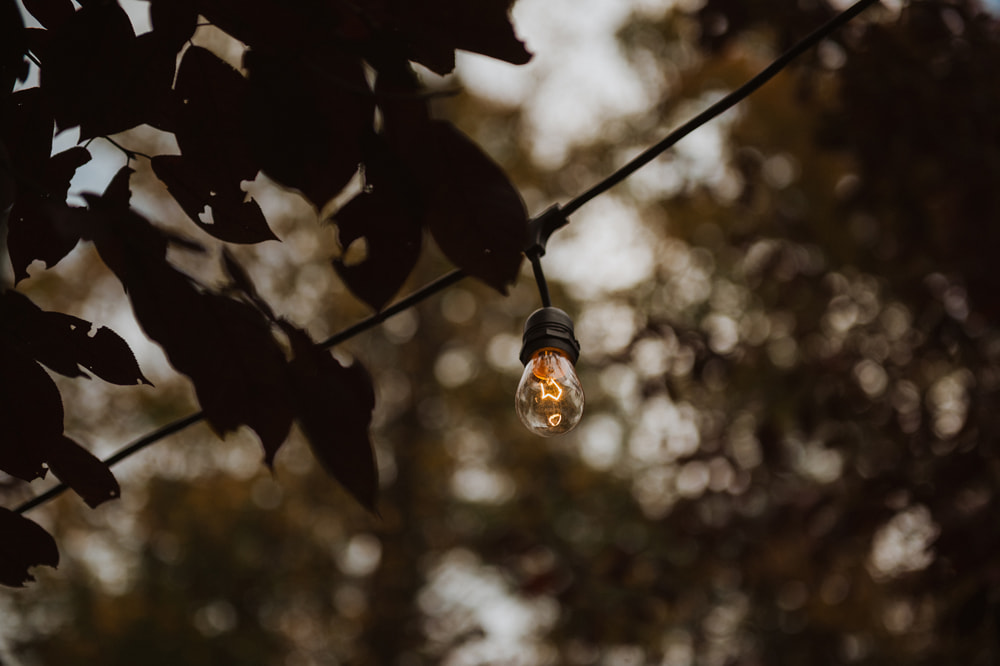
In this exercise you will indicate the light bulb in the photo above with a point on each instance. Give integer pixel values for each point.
(549, 398)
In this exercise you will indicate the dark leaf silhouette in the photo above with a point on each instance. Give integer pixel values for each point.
(39, 227)
(63, 343)
(100, 77)
(13, 42)
(241, 280)
(333, 405)
(174, 20)
(393, 245)
(274, 24)
(306, 118)
(50, 13)
(148, 81)
(41, 223)
(85, 68)
(60, 170)
(224, 346)
(209, 128)
(474, 213)
(24, 545)
(387, 216)
(217, 206)
(79, 469)
(406, 114)
(27, 131)
(38, 41)
(31, 414)
(439, 27)
(216, 158)
(7, 186)
(304, 115)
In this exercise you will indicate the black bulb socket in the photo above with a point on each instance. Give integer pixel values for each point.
(549, 327)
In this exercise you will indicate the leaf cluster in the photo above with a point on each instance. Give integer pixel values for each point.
(326, 90)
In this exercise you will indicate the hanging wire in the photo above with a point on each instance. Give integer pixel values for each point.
(723, 105)
(121, 454)
(180, 424)
(543, 287)
(539, 230)
(547, 222)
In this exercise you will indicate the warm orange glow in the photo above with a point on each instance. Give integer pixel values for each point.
(551, 390)
(549, 398)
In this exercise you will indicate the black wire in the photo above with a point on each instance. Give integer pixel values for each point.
(719, 107)
(176, 426)
(121, 454)
(419, 295)
(575, 204)
(543, 286)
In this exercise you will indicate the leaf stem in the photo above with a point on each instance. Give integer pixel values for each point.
(130, 154)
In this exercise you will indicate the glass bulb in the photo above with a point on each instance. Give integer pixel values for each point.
(549, 398)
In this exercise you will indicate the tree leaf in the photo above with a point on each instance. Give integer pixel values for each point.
(242, 281)
(210, 130)
(7, 185)
(100, 77)
(23, 544)
(393, 240)
(13, 45)
(333, 405)
(40, 221)
(31, 414)
(216, 156)
(174, 20)
(308, 28)
(147, 87)
(84, 67)
(50, 13)
(306, 118)
(199, 192)
(27, 131)
(63, 343)
(438, 27)
(474, 213)
(387, 216)
(82, 471)
(224, 346)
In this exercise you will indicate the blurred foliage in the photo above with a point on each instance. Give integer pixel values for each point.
(789, 452)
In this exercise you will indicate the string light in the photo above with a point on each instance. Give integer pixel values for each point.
(549, 398)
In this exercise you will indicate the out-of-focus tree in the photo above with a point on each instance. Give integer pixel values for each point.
(789, 451)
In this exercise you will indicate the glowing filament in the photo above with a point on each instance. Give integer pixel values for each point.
(551, 390)
(549, 399)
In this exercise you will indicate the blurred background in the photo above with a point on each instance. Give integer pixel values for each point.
(791, 354)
